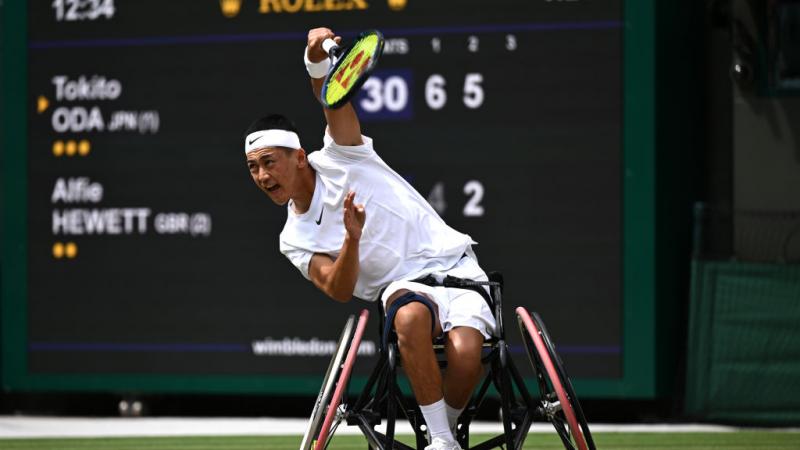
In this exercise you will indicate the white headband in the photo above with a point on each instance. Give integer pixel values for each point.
(271, 138)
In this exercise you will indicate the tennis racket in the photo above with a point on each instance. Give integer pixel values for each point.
(351, 67)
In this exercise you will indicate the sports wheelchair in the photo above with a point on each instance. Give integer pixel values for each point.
(381, 397)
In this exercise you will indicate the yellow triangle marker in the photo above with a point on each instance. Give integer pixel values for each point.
(42, 104)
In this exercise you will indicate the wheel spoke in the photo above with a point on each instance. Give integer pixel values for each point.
(563, 432)
(340, 413)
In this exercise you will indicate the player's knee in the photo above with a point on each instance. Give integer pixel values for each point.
(465, 344)
(411, 319)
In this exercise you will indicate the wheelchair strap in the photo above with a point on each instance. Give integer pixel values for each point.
(460, 283)
(408, 297)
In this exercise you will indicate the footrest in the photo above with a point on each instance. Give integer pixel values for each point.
(369, 416)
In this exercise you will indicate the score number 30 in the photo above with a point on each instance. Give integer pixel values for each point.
(392, 93)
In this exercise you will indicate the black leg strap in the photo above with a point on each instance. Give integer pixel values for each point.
(460, 283)
(408, 297)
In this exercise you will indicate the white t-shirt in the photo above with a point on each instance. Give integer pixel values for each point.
(403, 237)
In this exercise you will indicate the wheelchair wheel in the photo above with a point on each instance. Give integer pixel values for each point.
(334, 413)
(328, 383)
(558, 400)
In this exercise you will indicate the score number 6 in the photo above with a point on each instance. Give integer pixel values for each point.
(436, 96)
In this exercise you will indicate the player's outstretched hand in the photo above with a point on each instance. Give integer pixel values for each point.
(354, 216)
(315, 38)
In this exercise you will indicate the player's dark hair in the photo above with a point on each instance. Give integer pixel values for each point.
(271, 122)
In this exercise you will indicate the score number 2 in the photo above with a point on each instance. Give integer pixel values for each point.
(473, 189)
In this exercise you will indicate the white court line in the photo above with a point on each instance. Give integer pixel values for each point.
(36, 427)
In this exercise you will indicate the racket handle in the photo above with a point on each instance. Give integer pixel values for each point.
(330, 46)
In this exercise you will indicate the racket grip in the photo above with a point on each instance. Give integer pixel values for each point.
(330, 46)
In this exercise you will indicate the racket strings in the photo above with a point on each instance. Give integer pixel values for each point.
(350, 68)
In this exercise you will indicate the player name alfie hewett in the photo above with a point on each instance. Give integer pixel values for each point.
(116, 220)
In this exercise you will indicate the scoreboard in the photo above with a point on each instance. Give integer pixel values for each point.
(149, 260)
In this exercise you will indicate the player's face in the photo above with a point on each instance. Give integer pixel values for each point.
(275, 171)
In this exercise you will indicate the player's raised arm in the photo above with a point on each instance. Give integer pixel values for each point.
(343, 125)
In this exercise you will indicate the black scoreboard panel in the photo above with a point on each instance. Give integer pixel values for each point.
(151, 251)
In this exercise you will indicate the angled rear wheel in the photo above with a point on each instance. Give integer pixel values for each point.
(328, 384)
(559, 403)
(329, 410)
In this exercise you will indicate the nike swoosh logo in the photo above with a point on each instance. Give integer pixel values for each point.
(251, 142)
(320, 217)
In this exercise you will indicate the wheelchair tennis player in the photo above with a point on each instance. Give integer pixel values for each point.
(355, 228)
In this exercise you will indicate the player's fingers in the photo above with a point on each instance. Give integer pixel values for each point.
(321, 31)
(338, 40)
(317, 36)
(359, 213)
(348, 201)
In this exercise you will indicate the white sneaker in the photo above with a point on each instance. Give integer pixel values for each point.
(453, 429)
(443, 444)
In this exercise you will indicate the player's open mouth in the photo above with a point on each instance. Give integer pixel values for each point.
(273, 188)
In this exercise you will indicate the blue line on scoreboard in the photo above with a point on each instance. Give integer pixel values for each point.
(577, 349)
(123, 347)
(292, 36)
(506, 28)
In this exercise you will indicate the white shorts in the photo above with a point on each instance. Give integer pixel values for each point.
(457, 307)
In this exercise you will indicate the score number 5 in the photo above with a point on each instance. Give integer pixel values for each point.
(387, 93)
(436, 95)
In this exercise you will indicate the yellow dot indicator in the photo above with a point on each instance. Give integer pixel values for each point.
(71, 250)
(71, 148)
(58, 148)
(230, 8)
(41, 104)
(84, 147)
(58, 250)
(397, 5)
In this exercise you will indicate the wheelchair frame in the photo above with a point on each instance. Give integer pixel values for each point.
(382, 396)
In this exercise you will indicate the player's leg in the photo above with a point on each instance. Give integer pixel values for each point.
(464, 368)
(412, 323)
(468, 323)
(416, 327)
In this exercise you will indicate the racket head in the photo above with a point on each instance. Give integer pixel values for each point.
(353, 67)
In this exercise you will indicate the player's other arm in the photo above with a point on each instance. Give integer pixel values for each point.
(337, 279)
(343, 125)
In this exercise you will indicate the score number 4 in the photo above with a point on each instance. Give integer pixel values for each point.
(473, 189)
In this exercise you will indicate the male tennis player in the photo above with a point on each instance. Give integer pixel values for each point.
(356, 228)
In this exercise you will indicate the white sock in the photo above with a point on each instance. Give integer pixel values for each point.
(435, 416)
(452, 415)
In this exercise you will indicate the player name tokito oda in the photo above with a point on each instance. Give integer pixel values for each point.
(78, 119)
(95, 88)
